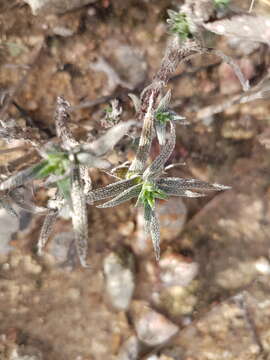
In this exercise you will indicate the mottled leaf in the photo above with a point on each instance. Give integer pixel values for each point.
(91, 160)
(113, 113)
(6, 204)
(136, 102)
(120, 171)
(87, 182)
(155, 234)
(165, 101)
(79, 216)
(157, 165)
(235, 67)
(110, 190)
(22, 177)
(175, 191)
(138, 164)
(246, 26)
(107, 141)
(61, 123)
(21, 200)
(191, 184)
(46, 230)
(123, 197)
(161, 132)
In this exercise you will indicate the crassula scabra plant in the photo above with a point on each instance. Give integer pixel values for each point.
(65, 163)
(65, 167)
(148, 183)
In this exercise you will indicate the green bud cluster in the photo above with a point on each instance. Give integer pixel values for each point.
(178, 24)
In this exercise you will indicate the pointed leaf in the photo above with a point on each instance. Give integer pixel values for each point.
(120, 172)
(147, 213)
(24, 203)
(164, 102)
(157, 165)
(22, 177)
(123, 197)
(5, 204)
(181, 183)
(175, 191)
(53, 179)
(86, 179)
(138, 164)
(79, 216)
(245, 26)
(86, 158)
(111, 190)
(235, 67)
(155, 234)
(61, 123)
(106, 142)
(46, 230)
(64, 187)
(136, 102)
(161, 133)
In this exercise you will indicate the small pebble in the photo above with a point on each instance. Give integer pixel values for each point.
(130, 349)
(119, 280)
(175, 269)
(152, 328)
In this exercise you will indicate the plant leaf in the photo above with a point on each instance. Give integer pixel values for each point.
(26, 204)
(126, 195)
(136, 102)
(107, 141)
(235, 67)
(86, 179)
(138, 164)
(5, 204)
(157, 165)
(111, 189)
(155, 234)
(64, 186)
(181, 183)
(61, 123)
(46, 230)
(161, 132)
(22, 177)
(91, 160)
(245, 26)
(176, 191)
(165, 101)
(79, 216)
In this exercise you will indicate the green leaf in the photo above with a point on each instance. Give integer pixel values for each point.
(149, 193)
(64, 187)
(178, 24)
(56, 163)
(221, 3)
(163, 116)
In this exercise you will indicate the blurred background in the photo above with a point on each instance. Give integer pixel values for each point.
(209, 296)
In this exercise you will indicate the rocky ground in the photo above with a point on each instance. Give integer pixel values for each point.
(209, 297)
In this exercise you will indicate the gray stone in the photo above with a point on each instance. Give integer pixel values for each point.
(238, 328)
(175, 270)
(152, 328)
(130, 349)
(40, 7)
(60, 246)
(119, 280)
(9, 225)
